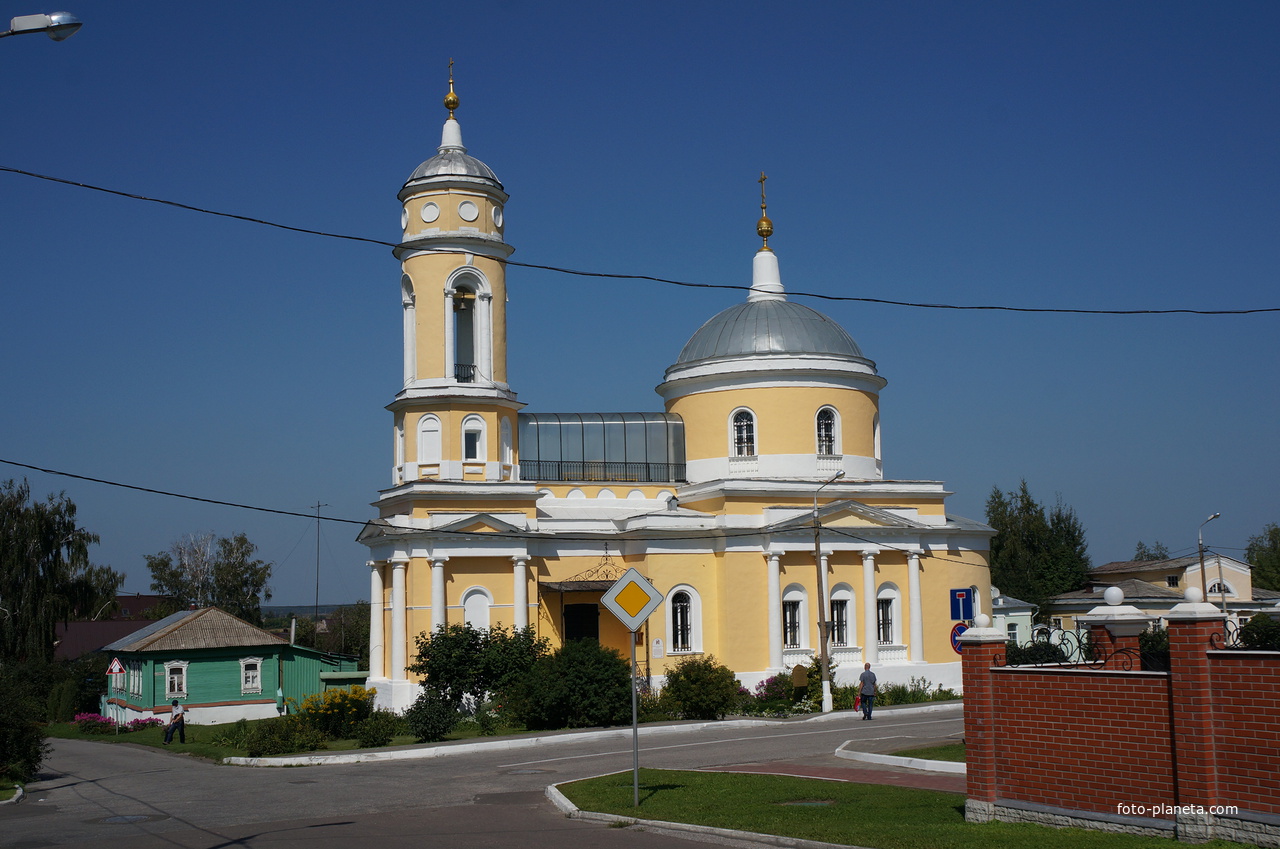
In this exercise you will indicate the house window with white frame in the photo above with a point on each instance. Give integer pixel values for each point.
(884, 621)
(251, 675)
(681, 622)
(839, 622)
(744, 434)
(175, 676)
(826, 427)
(473, 439)
(791, 624)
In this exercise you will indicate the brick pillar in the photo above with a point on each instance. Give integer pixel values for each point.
(979, 646)
(1121, 651)
(1191, 692)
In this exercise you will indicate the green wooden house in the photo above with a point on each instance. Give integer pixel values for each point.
(219, 667)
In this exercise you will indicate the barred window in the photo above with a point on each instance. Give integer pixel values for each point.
(826, 431)
(681, 622)
(744, 434)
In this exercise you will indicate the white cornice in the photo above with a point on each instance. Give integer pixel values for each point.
(438, 392)
(431, 242)
(758, 372)
(782, 488)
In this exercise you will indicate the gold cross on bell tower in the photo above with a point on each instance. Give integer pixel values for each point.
(764, 227)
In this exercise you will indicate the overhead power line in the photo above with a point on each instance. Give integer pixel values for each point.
(619, 276)
(526, 536)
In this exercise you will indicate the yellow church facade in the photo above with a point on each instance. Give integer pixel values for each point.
(755, 501)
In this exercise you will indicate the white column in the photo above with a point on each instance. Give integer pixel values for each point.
(484, 335)
(399, 631)
(520, 590)
(870, 641)
(438, 616)
(377, 613)
(775, 611)
(824, 595)
(448, 334)
(410, 331)
(917, 616)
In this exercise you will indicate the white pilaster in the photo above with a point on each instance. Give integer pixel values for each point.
(484, 335)
(399, 621)
(870, 639)
(449, 356)
(438, 616)
(520, 590)
(410, 333)
(916, 605)
(824, 595)
(775, 611)
(377, 614)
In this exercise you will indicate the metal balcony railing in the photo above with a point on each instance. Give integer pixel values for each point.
(464, 372)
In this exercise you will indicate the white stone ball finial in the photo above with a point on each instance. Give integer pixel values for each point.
(982, 620)
(1113, 596)
(1193, 595)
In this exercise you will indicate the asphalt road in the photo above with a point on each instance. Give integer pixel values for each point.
(98, 794)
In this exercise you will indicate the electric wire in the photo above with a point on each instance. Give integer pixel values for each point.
(717, 534)
(619, 276)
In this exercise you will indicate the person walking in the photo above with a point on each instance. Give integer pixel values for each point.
(867, 690)
(178, 723)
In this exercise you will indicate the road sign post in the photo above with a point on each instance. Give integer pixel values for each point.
(632, 599)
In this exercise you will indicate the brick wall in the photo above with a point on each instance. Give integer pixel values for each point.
(1076, 739)
(1245, 697)
(1061, 740)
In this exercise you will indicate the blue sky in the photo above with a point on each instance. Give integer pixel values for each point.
(1093, 155)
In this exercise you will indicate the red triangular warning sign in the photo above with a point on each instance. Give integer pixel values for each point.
(116, 667)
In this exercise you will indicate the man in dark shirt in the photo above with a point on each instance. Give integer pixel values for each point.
(867, 690)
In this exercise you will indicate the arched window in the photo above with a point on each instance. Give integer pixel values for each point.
(795, 629)
(842, 623)
(1218, 588)
(888, 616)
(475, 607)
(826, 428)
(744, 434)
(473, 447)
(428, 440)
(681, 622)
(464, 333)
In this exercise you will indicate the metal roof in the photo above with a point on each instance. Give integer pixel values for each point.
(768, 327)
(454, 163)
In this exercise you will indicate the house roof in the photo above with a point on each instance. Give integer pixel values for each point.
(1172, 564)
(209, 628)
(1133, 589)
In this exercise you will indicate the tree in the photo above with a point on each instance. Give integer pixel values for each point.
(45, 573)
(1035, 554)
(1263, 553)
(1155, 552)
(207, 573)
(465, 663)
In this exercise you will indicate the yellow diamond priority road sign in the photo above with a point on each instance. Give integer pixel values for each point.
(632, 599)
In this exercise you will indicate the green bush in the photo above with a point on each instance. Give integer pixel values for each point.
(582, 685)
(379, 729)
(919, 690)
(468, 664)
(775, 696)
(431, 716)
(1261, 632)
(701, 688)
(234, 736)
(283, 735)
(1039, 651)
(336, 713)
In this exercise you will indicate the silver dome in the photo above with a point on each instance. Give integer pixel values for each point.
(454, 163)
(771, 326)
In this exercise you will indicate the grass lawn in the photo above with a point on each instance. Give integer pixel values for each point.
(7, 789)
(834, 812)
(949, 752)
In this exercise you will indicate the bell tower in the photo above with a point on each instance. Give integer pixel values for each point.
(455, 416)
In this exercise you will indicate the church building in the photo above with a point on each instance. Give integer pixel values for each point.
(755, 501)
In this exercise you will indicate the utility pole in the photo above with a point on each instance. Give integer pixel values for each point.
(318, 505)
(824, 657)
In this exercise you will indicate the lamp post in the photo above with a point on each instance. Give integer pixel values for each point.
(57, 25)
(1204, 584)
(824, 658)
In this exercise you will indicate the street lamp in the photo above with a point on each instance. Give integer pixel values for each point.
(57, 25)
(824, 658)
(1204, 584)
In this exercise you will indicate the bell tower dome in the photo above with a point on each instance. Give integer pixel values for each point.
(455, 413)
